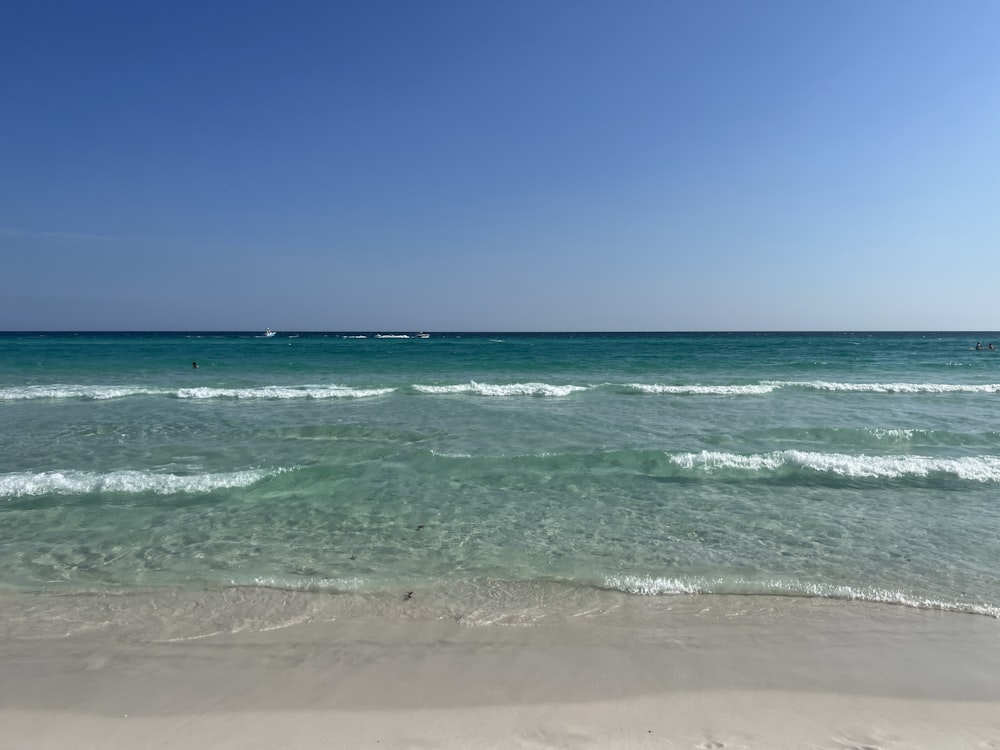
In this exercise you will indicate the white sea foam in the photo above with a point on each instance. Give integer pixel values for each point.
(104, 392)
(704, 390)
(23, 484)
(822, 385)
(769, 386)
(662, 586)
(652, 586)
(510, 389)
(904, 434)
(94, 392)
(975, 468)
(306, 584)
(283, 392)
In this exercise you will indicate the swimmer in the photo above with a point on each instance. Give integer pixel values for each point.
(194, 365)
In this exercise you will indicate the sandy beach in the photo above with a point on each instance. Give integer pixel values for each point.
(684, 672)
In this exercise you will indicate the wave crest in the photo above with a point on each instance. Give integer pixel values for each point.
(975, 468)
(284, 392)
(769, 386)
(510, 389)
(25, 484)
(107, 392)
(822, 385)
(91, 392)
(703, 390)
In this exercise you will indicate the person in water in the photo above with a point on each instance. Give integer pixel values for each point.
(979, 346)
(194, 365)
(991, 347)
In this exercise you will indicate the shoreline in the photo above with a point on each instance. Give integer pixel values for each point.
(168, 614)
(652, 672)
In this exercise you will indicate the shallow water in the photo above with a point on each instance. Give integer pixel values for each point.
(845, 466)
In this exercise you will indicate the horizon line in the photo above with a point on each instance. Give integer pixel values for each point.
(401, 331)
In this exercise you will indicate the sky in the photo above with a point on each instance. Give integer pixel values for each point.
(553, 165)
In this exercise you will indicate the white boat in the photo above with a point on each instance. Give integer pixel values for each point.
(268, 333)
(423, 335)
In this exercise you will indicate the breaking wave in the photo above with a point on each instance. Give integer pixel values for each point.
(702, 390)
(975, 468)
(106, 392)
(821, 385)
(284, 392)
(510, 389)
(86, 392)
(25, 484)
(770, 386)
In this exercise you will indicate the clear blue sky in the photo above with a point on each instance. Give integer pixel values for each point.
(515, 165)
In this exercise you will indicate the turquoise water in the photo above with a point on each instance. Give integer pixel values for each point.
(849, 466)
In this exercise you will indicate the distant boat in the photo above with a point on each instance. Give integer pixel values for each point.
(423, 335)
(268, 333)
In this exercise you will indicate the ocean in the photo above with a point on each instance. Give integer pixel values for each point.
(489, 477)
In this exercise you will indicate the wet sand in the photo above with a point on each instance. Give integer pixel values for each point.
(690, 672)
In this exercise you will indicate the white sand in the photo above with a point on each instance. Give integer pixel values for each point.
(694, 673)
